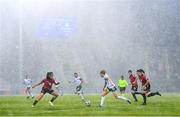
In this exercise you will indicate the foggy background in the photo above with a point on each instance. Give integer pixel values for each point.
(85, 36)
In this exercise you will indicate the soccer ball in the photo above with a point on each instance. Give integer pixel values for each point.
(88, 103)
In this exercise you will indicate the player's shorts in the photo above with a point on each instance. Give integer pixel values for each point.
(113, 89)
(28, 88)
(122, 88)
(134, 88)
(147, 88)
(44, 90)
(78, 88)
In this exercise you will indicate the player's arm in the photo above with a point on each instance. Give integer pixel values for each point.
(81, 81)
(71, 81)
(37, 84)
(111, 80)
(147, 82)
(135, 80)
(105, 84)
(56, 82)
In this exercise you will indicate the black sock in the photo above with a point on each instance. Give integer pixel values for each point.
(152, 94)
(137, 93)
(35, 102)
(53, 98)
(134, 96)
(144, 98)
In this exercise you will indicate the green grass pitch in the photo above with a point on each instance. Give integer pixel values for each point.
(68, 105)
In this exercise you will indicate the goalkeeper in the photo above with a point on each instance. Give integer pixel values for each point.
(122, 84)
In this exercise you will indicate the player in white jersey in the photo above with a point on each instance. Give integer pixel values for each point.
(27, 82)
(109, 86)
(78, 81)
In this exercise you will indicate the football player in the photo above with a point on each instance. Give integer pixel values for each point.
(109, 86)
(47, 88)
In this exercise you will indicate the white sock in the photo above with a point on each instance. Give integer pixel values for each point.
(122, 97)
(27, 93)
(30, 93)
(81, 95)
(102, 100)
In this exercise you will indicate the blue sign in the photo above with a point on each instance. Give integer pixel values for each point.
(57, 27)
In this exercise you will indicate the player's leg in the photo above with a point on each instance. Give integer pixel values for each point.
(76, 90)
(55, 95)
(121, 97)
(39, 97)
(113, 90)
(81, 95)
(150, 94)
(29, 92)
(123, 91)
(145, 92)
(134, 96)
(144, 95)
(80, 92)
(26, 91)
(144, 98)
(103, 98)
(133, 92)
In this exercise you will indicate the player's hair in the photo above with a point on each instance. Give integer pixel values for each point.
(48, 75)
(141, 70)
(138, 70)
(103, 71)
(130, 71)
(75, 73)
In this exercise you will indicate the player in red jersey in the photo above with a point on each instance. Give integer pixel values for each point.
(145, 86)
(47, 88)
(134, 84)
